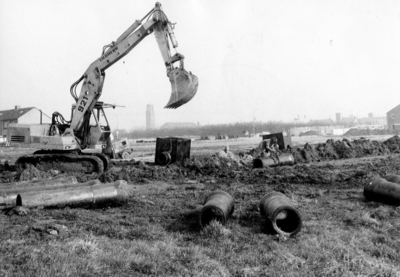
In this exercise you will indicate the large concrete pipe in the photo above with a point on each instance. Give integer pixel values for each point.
(279, 212)
(8, 194)
(381, 190)
(392, 178)
(217, 206)
(95, 195)
(284, 159)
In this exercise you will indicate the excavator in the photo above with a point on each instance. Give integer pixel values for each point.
(83, 144)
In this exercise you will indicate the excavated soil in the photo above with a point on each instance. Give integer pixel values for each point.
(369, 132)
(340, 163)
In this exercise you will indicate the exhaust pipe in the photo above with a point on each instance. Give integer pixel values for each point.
(280, 214)
(381, 190)
(217, 206)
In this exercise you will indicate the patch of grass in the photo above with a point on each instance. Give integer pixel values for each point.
(214, 230)
(102, 256)
(341, 236)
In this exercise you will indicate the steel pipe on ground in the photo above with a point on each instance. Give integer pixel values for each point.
(284, 159)
(94, 195)
(9, 193)
(280, 214)
(217, 206)
(381, 190)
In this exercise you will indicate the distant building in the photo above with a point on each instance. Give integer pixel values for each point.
(30, 115)
(150, 117)
(338, 117)
(372, 120)
(349, 121)
(393, 118)
(174, 125)
(321, 121)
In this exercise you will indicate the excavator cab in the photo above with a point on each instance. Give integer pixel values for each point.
(96, 131)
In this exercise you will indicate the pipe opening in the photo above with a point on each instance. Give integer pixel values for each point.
(287, 221)
(164, 158)
(257, 163)
(19, 200)
(211, 213)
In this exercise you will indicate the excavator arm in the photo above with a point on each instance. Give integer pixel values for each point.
(83, 144)
(183, 84)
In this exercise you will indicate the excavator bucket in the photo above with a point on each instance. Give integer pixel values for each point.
(184, 86)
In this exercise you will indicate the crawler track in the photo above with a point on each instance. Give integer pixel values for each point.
(62, 162)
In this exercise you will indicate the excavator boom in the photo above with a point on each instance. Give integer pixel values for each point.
(84, 143)
(183, 83)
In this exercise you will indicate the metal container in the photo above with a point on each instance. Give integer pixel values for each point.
(381, 190)
(280, 214)
(284, 142)
(284, 159)
(172, 149)
(217, 206)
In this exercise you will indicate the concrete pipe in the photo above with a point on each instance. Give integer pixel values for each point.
(217, 206)
(381, 190)
(392, 178)
(284, 159)
(279, 212)
(8, 195)
(95, 195)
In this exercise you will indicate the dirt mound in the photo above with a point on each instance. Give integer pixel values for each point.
(309, 133)
(393, 144)
(32, 173)
(345, 149)
(367, 132)
(226, 167)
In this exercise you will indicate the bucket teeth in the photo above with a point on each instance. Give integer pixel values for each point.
(184, 86)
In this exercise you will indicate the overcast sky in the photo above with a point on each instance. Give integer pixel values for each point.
(269, 60)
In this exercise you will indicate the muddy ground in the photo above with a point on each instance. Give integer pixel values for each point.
(170, 197)
(340, 163)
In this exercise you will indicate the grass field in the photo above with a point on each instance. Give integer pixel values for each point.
(156, 232)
